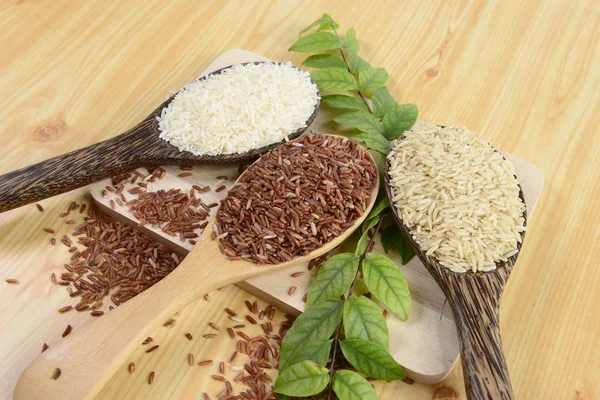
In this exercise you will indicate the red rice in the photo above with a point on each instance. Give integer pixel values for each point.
(320, 181)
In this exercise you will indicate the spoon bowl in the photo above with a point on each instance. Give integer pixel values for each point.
(81, 364)
(475, 302)
(140, 146)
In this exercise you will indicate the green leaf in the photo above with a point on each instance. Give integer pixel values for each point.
(382, 101)
(324, 23)
(372, 78)
(346, 102)
(371, 359)
(374, 141)
(348, 385)
(361, 246)
(370, 223)
(392, 236)
(399, 119)
(382, 204)
(302, 379)
(318, 41)
(361, 120)
(324, 61)
(350, 41)
(356, 63)
(387, 283)
(334, 278)
(318, 322)
(315, 350)
(334, 79)
(363, 319)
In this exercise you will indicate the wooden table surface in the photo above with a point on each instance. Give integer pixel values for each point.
(524, 74)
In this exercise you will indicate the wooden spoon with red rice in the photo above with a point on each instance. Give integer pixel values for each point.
(82, 363)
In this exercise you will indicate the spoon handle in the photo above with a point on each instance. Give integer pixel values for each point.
(72, 170)
(475, 303)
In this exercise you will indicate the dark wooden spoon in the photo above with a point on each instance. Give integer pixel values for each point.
(138, 147)
(475, 302)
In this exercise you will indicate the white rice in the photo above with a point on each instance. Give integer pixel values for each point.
(458, 197)
(245, 107)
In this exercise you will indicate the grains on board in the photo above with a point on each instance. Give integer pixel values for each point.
(457, 195)
(319, 180)
(112, 260)
(244, 107)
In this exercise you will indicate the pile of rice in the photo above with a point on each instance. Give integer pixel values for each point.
(458, 197)
(244, 107)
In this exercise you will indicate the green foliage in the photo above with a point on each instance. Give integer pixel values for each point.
(316, 351)
(372, 78)
(348, 81)
(318, 41)
(325, 23)
(355, 63)
(363, 319)
(381, 204)
(393, 237)
(361, 120)
(344, 102)
(382, 101)
(334, 278)
(348, 385)
(398, 119)
(350, 41)
(324, 61)
(348, 72)
(361, 246)
(302, 379)
(317, 322)
(374, 141)
(334, 79)
(387, 284)
(371, 359)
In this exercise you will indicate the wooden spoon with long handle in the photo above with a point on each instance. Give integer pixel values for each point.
(140, 146)
(81, 364)
(475, 302)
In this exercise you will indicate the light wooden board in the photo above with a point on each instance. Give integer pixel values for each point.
(426, 345)
(524, 74)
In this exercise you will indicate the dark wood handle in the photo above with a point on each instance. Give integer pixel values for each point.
(476, 305)
(75, 169)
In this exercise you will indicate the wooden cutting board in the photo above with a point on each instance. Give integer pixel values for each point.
(426, 345)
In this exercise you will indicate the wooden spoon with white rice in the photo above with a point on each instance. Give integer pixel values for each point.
(459, 204)
(232, 115)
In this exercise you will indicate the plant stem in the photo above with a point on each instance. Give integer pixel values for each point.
(364, 100)
(336, 338)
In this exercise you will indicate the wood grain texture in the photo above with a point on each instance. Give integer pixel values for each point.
(475, 302)
(140, 146)
(525, 75)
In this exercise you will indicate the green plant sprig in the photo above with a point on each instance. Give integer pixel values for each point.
(338, 314)
(349, 81)
(336, 338)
